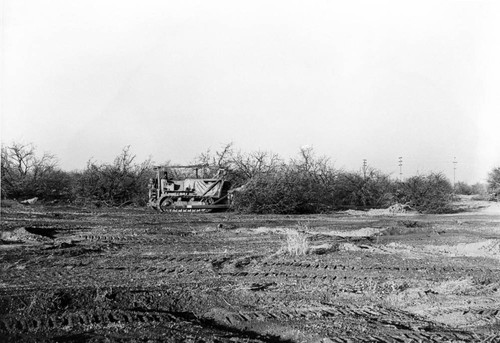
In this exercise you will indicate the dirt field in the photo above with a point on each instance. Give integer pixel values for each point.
(131, 275)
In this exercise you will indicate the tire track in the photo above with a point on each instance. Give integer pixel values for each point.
(295, 275)
(485, 314)
(409, 327)
(70, 320)
(52, 274)
(347, 267)
(114, 275)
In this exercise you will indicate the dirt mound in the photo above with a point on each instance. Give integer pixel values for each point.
(488, 248)
(394, 210)
(21, 235)
(491, 208)
(263, 230)
(363, 232)
(7, 203)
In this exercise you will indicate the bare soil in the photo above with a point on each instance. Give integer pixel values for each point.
(69, 274)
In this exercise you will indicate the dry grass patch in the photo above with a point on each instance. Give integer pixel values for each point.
(297, 243)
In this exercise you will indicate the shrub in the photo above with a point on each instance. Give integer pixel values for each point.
(463, 188)
(426, 193)
(285, 192)
(311, 185)
(302, 186)
(479, 188)
(26, 174)
(122, 182)
(370, 189)
(494, 182)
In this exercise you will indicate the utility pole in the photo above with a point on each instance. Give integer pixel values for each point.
(400, 160)
(364, 168)
(454, 171)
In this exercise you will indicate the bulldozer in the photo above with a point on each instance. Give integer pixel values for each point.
(190, 194)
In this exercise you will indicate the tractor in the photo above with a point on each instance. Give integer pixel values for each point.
(190, 194)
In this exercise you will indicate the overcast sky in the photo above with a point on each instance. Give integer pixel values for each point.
(355, 80)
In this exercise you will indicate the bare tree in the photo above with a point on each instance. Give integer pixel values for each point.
(255, 163)
(120, 183)
(220, 159)
(494, 183)
(319, 168)
(24, 174)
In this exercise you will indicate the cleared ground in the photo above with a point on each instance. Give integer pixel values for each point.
(77, 275)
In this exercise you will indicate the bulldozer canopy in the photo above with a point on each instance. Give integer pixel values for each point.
(200, 186)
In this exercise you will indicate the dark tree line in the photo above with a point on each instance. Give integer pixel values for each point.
(26, 175)
(263, 182)
(310, 184)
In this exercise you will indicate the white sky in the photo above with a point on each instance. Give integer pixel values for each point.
(356, 80)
